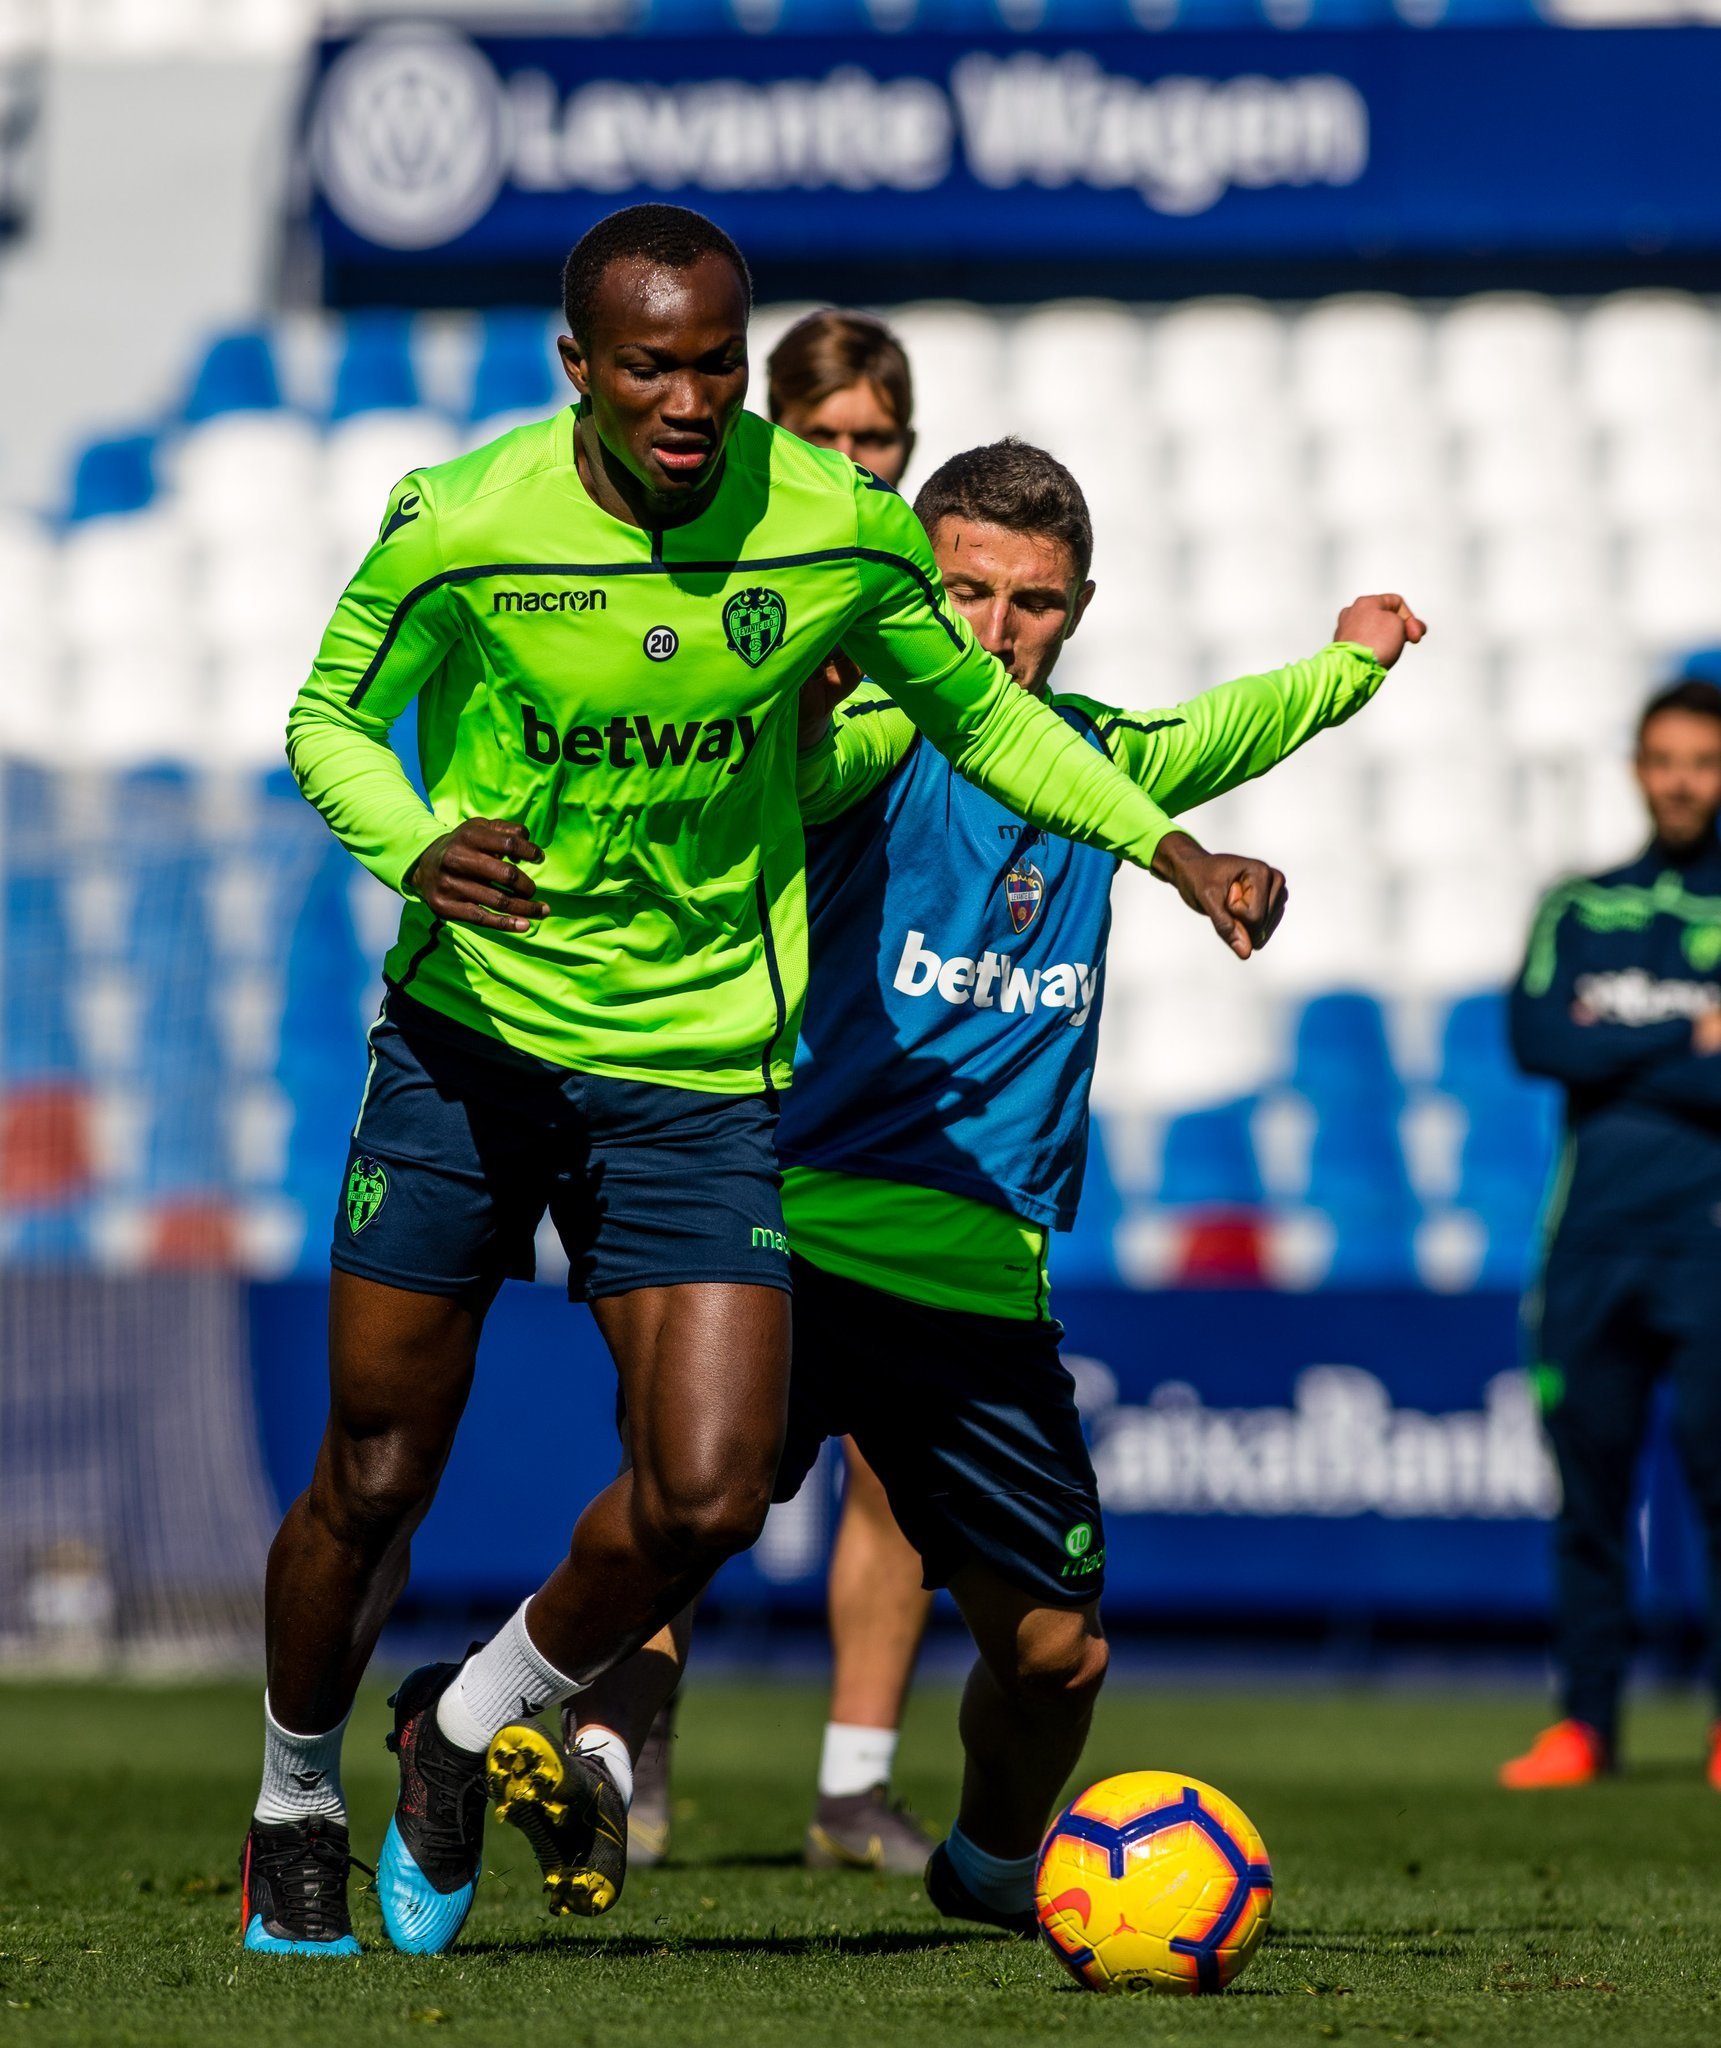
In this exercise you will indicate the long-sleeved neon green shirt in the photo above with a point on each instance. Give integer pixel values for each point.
(629, 697)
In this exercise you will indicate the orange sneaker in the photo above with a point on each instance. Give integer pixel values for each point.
(1713, 1774)
(1569, 1753)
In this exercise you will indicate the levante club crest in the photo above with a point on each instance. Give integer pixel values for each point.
(367, 1187)
(754, 622)
(1024, 891)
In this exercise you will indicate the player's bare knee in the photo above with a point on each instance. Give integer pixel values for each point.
(370, 1493)
(686, 1524)
(1060, 1667)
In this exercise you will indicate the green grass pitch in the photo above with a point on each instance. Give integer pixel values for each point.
(1415, 1903)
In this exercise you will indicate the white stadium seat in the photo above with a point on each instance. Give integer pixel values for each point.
(1519, 471)
(1181, 1046)
(1460, 926)
(1435, 808)
(364, 458)
(1252, 588)
(1647, 355)
(264, 591)
(253, 687)
(957, 356)
(1567, 696)
(1214, 358)
(1230, 470)
(248, 472)
(1420, 559)
(1500, 353)
(1658, 469)
(1360, 358)
(1363, 472)
(1611, 821)
(1058, 357)
(139, 704)
(1336, 929)
(1544, 575)
(1672, 593)
(121, 581)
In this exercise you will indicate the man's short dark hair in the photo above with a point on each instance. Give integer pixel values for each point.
(1015, 485)
(674, 236)
(1688, 693)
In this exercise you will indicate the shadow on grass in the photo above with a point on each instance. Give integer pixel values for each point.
(638, 1947)
(689, 1866)
(1412, 1941)
(1660, 1771)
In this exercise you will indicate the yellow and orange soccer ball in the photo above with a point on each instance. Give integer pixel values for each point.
(1154, 1882)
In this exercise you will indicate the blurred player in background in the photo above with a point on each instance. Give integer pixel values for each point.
(841, 380)
(937, 1133)
(606, 618)
(1620, 1002)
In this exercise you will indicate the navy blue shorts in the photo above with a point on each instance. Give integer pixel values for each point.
(969, 1421)
(462, 1145)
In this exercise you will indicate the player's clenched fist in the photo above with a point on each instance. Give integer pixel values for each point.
(469, 876)
(1385, 624)
(1243, 899)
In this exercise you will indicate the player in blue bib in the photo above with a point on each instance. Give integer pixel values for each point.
(937, 1131)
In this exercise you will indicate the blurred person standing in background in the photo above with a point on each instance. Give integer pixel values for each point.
(1620, 1002)
(841, 380)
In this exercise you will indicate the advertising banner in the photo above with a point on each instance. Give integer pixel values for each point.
(442, 165)
(1336, 1459)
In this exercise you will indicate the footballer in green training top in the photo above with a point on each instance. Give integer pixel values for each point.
(605, 618)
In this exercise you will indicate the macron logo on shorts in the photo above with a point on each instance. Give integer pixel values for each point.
(995, 982)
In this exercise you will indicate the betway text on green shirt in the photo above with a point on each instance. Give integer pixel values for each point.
(629, 698)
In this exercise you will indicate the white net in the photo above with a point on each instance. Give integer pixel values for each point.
(134, 1514)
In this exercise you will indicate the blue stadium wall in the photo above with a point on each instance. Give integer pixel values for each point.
(1344, 1462)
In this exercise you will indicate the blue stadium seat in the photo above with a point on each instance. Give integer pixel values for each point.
(1503, 1174)
(1085, 1256)
(46, 1237)
(1342, 1055)
(1357, 1178)
(35, 981)
(113, 476)
(28, 806)
(237, 374)
(1475, 1057)
(321, 1066)
(376, 372)
(515, 371)
(186, 1151)
(1209, 1159)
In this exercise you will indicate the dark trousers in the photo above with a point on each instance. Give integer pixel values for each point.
(1612, 1324)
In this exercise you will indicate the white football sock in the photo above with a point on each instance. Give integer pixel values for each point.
(510, 1679)
(1005, 1883)
(595, 1740)
(301, 1773)
(854, 1759)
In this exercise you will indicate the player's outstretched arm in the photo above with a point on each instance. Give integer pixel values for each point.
(387, 636)
(1187, 754)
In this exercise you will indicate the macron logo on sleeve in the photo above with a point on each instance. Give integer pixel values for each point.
(995, 982)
